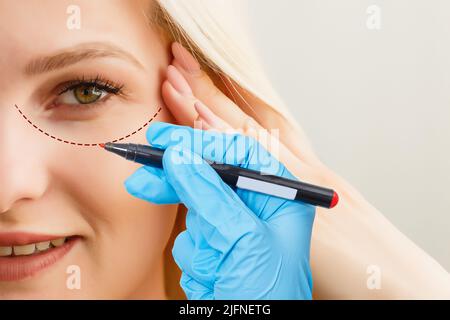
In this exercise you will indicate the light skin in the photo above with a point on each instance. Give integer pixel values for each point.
(152, 74)
(58, 189)
(349, 241)
(125, 231)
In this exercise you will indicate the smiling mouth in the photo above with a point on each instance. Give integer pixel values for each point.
(32, 248)
(19, 261)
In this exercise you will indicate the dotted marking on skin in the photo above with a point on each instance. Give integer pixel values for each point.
(86, 144)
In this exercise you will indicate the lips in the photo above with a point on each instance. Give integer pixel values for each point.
(23, 255)
(23, 238)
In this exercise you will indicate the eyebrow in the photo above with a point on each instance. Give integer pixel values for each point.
(78, 53)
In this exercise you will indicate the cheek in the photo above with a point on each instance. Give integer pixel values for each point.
(94, 180)
(120, 231)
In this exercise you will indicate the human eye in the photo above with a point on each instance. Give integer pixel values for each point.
(85, 93)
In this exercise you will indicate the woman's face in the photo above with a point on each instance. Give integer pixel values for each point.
(82, 83)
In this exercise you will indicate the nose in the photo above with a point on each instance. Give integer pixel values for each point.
(22, 167)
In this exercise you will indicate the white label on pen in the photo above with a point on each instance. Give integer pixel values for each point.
(266, 187)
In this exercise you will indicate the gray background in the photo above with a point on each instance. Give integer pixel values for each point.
(375, 104)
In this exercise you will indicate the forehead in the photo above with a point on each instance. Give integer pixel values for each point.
(39, 27)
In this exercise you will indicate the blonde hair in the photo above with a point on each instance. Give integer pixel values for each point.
(211, 32)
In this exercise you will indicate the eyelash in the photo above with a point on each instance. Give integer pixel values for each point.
(98, 83)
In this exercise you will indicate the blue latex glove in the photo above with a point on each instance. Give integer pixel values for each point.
(238, 244)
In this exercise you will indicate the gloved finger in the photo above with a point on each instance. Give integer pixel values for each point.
(195, 259)
(150, 184)
(233, 149)
(222, 217)
(294, 227)
(204, 259)
(194, 290)
(225, 148)
(211, 145)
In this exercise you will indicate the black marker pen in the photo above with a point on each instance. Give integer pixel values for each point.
(237, 177)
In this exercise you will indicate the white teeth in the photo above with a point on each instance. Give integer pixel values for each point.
(24, 250)
(5, 251)
(41, 246)
(58, 242)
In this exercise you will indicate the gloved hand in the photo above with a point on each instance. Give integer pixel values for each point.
(238, 244)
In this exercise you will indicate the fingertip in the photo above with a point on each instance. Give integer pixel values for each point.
(135, 182)
(178, 82)
(170, 70)
(185, 59)
(155, 130)
(180, 162)
(174, 155)
(175, 48)
(166, 87)
(180, 106)
(149, 184)
(211, 119)
(169, 95)
(183, 244)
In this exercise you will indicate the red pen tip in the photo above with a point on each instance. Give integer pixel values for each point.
(101, 145)
(334, 200)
